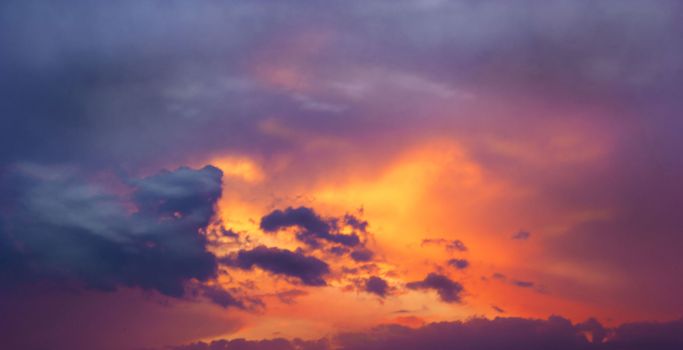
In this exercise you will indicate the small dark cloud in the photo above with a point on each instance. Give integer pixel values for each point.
(523, 284)
(459, 264)
(308, 269)
(362, 255)
(401, 311)
(377, 285)
(449, 291)
(515, 282)
(498, 276)
(522, 235)
(451, 245)
(313, 226)
(497, 309)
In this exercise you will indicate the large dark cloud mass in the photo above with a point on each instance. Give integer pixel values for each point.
(57, 227)
(482, 334)
(308, 269)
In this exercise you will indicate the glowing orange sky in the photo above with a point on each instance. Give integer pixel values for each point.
(415, 194)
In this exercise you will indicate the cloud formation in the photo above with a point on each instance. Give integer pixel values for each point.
(313, 226)
(56, 226)
(496, 334)
(377, 285)
(450, 245)
(459, 264)
(522, 235)
(308, 269)
(449, 291)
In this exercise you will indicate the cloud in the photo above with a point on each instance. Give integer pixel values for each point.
(221, 297)
(451, 245)
(515, 282)
(478, 333)
(362, 255)
(268, 344)
(522, 235)
(523, 284)
(497, 309)
(356, 223)
(449, 291)
(59, 227)
(313, 226)
(290, 296)
(308, 269)
(499, 276)
(459, 264)
(377, 285)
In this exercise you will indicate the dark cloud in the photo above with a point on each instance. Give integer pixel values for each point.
(459, 264)
(312, 225)
(308, 269)
(645, 335)
(523, 284)
(515, 282)
(449, 291)
(338, 250)
(499, 276)
(269, 344)
(362, 255)
(229, 233)
(221, 297)
(356, 223)
(522, 235)
(496, 334)
(235, 344)
(451, 245)
(377, 285)
(497, 309)
(59, 227)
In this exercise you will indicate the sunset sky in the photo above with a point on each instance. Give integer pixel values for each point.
(353, 175)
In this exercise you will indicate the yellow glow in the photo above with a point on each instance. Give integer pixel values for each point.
(242, 168)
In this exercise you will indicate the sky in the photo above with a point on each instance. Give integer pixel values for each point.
(352, 175)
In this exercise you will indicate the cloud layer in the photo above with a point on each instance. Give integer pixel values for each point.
(497, 334)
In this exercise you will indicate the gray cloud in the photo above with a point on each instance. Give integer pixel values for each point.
(57, 226)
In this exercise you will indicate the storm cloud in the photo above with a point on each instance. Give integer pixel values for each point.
(56, 226)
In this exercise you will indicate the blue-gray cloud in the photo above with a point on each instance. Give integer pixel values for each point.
(58, 227)
(449, 291)
(308, 269)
